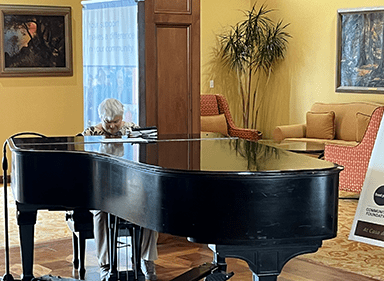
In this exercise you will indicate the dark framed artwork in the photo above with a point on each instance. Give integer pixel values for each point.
(360, 50)
(35, 41)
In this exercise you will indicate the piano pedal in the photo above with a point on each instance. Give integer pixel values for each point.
(50, 277)
(122, 244)
(219, 276)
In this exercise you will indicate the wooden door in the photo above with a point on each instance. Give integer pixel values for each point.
(172, 70)
(172, 62)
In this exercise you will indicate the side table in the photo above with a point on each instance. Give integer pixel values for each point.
(313, 149)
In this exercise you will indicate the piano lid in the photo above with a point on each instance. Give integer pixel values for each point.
(215, 154)
(222, 191)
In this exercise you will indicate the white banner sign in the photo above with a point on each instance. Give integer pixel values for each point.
(368, 225)
(110, 33)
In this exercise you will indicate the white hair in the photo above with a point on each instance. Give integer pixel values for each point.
(110, 108)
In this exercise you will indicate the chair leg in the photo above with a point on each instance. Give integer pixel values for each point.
(112, 225)
(136, 235)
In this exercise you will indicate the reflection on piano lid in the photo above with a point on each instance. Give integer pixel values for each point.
(216, 154)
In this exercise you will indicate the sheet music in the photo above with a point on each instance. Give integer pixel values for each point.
(145, 132)
(138, 135)
(124, 140)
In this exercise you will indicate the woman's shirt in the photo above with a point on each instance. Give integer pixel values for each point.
(126, 129)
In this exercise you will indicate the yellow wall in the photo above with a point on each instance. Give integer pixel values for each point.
(48, 105)
(307, 74)
(216, 16)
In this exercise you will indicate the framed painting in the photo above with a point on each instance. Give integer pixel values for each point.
(360, 50)
(35, 41)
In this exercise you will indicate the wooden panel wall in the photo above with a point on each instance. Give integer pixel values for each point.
(173, 87)
(177, 6)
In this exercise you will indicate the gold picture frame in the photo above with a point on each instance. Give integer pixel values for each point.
(35, 41)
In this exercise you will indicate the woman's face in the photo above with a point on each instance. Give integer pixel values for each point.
(114, 125)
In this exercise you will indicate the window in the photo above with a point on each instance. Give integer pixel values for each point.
(110, 56)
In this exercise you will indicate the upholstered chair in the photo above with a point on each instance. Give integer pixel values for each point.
(216, 117)
(355, 159)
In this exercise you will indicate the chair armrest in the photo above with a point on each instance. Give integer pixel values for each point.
(289, 131)
(249, 134)
(336, 152)
(355, 161)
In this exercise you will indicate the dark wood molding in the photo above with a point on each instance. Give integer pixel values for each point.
(142, 77)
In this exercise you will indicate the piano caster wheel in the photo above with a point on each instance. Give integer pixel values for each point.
(219, 276)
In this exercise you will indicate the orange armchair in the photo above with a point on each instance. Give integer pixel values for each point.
(211, 105)
(355, 159)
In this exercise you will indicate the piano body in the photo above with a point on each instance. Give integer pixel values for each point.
(251, 201)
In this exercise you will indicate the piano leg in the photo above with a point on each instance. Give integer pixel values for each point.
(26, 221)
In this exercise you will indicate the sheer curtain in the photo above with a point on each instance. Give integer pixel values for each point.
(110, 56)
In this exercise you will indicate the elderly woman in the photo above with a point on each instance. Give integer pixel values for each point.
(111, 113)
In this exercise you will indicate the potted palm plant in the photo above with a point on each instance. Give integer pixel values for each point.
(251, 49)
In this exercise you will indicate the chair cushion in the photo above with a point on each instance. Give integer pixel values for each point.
(214, 123)
(362, 121)
(289, 131)
(321, 125)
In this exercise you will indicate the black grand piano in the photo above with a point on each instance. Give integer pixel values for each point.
(248, 200)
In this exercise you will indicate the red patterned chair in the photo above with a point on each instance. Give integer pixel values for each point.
(216, 117)
(355, 159)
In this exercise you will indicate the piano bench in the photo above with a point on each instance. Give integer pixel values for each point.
(126, 228)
